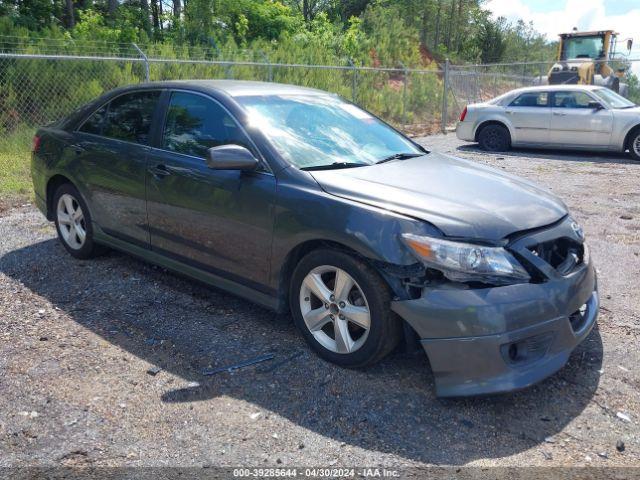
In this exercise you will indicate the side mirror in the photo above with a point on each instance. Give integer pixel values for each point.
(595, 105)
(231, 157)
(629, 44)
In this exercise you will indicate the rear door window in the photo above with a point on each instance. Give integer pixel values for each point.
(94, 123)
(129, 116)
(531, 99)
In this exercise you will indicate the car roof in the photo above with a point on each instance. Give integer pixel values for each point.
(234, 88)
(556, 88)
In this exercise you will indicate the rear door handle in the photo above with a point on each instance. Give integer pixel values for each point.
(78, 149)
(160, 171)
(559, 114)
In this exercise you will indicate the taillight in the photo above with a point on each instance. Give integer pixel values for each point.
(35, 146)
(463, 114)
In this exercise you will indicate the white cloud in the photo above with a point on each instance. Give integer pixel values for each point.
(583, 14)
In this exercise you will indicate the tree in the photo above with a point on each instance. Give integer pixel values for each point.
(71, 17)
(490, 40)
(113, 8)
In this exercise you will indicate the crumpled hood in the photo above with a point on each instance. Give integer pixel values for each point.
(460, 197)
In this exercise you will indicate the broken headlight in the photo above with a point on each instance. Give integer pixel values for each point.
(466, 262)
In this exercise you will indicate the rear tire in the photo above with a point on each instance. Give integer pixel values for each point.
(494, 138)
(633, 144)
(352, 326)
(73, 223)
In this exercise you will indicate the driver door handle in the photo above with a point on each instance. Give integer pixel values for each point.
(160, 171)
(559, 114)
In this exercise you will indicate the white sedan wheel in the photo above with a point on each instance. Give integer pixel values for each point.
(636, 145)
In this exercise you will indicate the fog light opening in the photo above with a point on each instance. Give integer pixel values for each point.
(527, 350)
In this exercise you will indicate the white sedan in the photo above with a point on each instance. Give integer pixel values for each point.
(554, 116)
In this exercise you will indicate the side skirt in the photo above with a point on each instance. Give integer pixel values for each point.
(150, 256)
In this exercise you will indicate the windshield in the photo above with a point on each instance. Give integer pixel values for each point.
(611, 99)
(321, 130)
(583, 47)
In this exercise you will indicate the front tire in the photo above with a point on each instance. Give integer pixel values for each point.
(494, 138)
(342, 307)
(634, 144)
(73, 223)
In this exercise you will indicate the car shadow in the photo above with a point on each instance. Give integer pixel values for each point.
(565, 155)
(184, 328)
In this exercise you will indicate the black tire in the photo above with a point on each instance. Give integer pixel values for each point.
(88, 248)
(634, 139)
(385, 327)
(494, 138)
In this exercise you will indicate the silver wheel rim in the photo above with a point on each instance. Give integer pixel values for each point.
(335, 309)
(636, 145)
(71, 221)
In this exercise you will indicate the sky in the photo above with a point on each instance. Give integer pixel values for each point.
(551, 17)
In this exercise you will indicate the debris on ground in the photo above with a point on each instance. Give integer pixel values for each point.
(246, 363)
(623, 416)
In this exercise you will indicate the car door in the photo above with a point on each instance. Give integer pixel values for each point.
(575, 123)
(529, 114)
(216, 220)
(110, 150)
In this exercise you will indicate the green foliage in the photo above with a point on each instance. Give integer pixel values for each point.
(490, 41)
(634, 87)
(402, 34)
(15, 181)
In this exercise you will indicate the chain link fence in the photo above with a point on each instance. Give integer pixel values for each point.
(44, 82)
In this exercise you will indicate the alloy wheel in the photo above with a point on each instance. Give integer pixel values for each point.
(71, 222)
(636, 145)
(493, 140)
(335, 309)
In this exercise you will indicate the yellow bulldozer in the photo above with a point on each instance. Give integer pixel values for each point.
(590, 58)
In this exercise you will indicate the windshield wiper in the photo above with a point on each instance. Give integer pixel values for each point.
(335, 166)
(399, 156)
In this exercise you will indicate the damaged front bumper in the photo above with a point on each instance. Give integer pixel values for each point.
(490, 340)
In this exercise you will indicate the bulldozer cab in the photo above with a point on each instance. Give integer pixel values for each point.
(586, 45)
(589, 58)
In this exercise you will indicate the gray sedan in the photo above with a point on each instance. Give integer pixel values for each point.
(304, 203)
(556, 116)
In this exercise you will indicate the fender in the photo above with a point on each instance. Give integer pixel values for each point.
(619, 141)
(303, 214)
(495, 117)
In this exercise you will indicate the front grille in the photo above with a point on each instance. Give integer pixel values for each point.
(563, 254)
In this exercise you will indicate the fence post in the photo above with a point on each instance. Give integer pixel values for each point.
(269, 66)
(145, 60)
(445, 93)
(405, 76)
(353, 79)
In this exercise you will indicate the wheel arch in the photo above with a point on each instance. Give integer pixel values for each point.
(627, 138)
(52, 185)
(297, 253)
(492, 121)
(393, 282)
(294, 256)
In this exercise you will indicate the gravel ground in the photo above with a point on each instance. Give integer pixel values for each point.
(101, 362)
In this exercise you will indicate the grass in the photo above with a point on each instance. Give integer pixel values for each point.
(15, 175)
